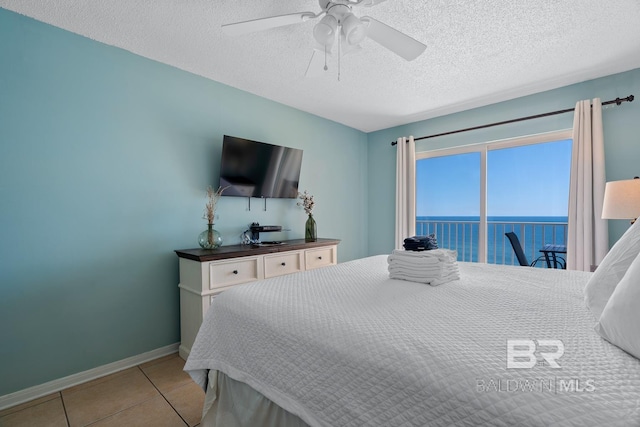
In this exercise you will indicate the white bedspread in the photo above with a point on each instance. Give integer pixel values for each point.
(347, 346)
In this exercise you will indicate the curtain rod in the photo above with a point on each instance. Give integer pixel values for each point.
(616, 101)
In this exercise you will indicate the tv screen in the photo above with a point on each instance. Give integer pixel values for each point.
(256, 169)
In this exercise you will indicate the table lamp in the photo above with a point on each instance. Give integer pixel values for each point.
(622, 200)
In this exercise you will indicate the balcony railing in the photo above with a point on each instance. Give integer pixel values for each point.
(463, 237)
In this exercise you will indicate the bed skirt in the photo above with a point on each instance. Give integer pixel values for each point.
(231, 403)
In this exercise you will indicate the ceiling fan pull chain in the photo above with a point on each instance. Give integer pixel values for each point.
(325, 58)
(339, 48)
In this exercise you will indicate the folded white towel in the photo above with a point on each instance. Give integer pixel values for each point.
(440, 254)
(430, 253)
(421, 266)
(426, 266)
(432, 272)
(427, 280)
(436, 273)
(419, 262)
(425, 261)
(433, 267)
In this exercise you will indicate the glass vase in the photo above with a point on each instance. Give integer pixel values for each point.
(310, 230)
(210, 238)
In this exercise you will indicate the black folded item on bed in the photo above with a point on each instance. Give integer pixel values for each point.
(421, 243)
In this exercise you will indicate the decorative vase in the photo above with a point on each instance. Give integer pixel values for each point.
(210, 238)
(310, 230)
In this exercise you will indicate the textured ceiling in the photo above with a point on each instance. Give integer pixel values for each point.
(478, 52)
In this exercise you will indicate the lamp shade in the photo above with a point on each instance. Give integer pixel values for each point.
(622, 199)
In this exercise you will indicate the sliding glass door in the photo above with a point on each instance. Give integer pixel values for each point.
(527, 193)
(448, 201)
(471, 196)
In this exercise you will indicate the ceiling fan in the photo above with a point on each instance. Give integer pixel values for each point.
(338, 20)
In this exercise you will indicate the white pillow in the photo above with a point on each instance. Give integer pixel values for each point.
(620, 320)
(611, 270)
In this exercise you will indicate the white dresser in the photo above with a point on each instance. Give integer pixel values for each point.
(205, 273)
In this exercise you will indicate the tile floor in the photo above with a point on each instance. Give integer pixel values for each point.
(157, 393)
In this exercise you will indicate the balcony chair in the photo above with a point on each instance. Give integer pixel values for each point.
(517, 248)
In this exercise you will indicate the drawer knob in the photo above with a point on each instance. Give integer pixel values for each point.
(319, 257)
(283, 264)
(235, 271)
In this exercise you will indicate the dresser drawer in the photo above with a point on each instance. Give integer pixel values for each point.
(283, 263)
(315, 258)
(227, 273)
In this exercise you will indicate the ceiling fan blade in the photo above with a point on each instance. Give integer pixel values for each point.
(261, 24)
(316, 64)
(397, 42)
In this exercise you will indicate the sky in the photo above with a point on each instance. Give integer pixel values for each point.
(531, 180)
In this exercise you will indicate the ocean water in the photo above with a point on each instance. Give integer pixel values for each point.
(461, 233)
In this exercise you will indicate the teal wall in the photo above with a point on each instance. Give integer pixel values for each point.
(621, 133)
(105, 157)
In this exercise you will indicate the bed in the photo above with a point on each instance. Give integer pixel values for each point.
(348, 346)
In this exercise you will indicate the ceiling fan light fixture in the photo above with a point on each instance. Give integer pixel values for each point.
(353, 29)
(325, 31)
(349, 48)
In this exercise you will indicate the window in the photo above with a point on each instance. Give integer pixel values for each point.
(470, 196)
(447, 189)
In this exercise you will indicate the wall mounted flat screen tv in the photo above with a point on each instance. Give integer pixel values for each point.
(257, 169)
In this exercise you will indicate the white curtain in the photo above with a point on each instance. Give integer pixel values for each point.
(588, 236)
(405, 190)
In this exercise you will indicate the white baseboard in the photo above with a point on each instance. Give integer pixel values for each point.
(12, 399)
(184, 352)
